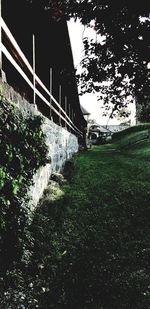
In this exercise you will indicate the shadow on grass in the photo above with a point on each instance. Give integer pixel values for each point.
(91, 240)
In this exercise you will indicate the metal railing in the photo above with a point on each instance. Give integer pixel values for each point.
(62, 114)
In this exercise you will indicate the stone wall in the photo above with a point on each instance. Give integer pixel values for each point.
(62, 144)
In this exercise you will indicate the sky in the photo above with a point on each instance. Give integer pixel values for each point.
(89, 101)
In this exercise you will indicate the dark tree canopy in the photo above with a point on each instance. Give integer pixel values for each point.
(123, 56)
(143, 111)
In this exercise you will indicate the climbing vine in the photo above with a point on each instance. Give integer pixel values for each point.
(23, 150)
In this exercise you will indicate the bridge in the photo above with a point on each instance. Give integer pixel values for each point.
(36, 57)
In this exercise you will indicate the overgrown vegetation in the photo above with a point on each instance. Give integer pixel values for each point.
(22, 152)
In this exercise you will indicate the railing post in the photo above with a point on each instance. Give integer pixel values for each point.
(2, 74)
(50, 88)
(69, 115)
(60, 105)
(66, 110)
(33, 55)
(74, 117)
(1, 36)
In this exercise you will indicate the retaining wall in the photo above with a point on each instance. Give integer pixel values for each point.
(62, 144)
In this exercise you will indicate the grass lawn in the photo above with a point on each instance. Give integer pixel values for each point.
(91, 233)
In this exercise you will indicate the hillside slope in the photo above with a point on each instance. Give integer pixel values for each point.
(128, 138)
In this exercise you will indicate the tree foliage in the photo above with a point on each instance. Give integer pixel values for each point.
(143, 111)
(121, 59)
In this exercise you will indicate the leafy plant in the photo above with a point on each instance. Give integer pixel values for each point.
(23, 150)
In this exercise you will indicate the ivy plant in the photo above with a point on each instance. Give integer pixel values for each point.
(23, 150)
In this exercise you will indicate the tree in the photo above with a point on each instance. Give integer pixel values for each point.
(143, 111)
(118, 66)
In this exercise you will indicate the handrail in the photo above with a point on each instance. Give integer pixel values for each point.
(22, 73)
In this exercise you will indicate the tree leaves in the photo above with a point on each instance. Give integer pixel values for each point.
(125, 50)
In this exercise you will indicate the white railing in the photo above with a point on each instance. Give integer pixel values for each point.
(36, 80)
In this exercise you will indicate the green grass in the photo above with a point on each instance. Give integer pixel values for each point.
(140, 127)
(91, 240)
(89, 243)
(130, 138)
